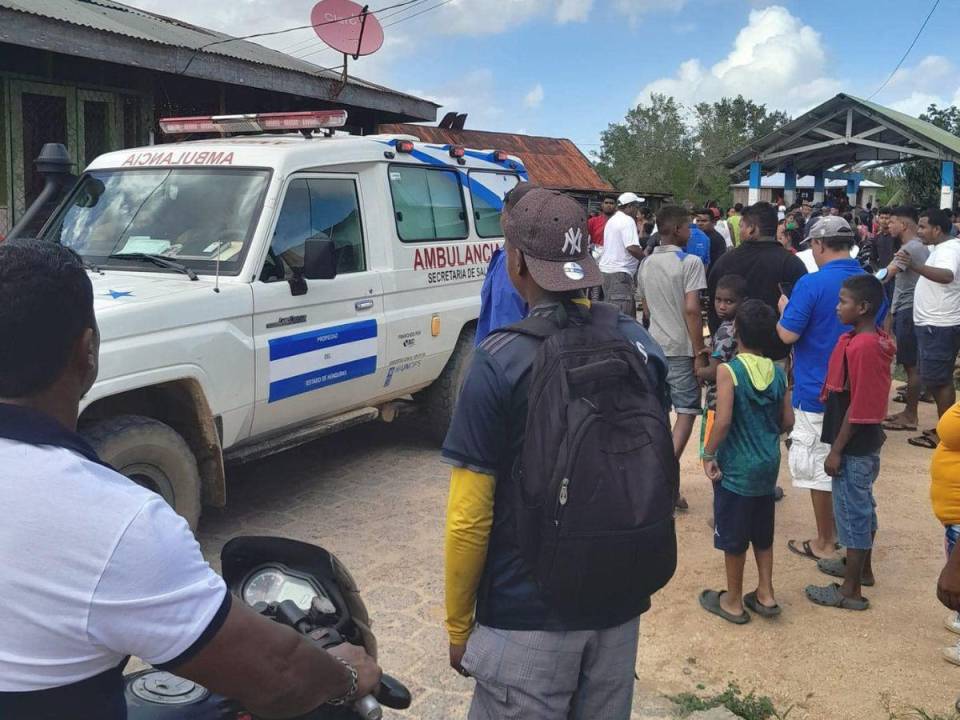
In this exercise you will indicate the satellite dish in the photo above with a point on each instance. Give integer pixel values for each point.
(347, 27)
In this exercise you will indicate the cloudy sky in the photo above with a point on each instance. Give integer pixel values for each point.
(569, 67)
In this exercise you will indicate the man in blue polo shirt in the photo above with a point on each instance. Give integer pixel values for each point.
(500, 304)
(810, 324)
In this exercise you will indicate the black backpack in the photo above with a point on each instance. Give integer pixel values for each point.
(596, 479)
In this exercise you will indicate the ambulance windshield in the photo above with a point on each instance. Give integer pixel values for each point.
(195, 216)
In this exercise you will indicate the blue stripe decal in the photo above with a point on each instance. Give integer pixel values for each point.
(317, 379)
(300, 343)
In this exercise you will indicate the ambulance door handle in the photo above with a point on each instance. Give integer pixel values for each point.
(363, 305)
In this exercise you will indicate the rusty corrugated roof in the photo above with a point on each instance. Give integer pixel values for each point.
(551, 162)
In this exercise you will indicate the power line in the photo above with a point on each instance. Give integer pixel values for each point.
(281, 32)
(425, 10)
(916, 37)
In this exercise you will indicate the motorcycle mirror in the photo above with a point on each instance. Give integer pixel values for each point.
(392, 693)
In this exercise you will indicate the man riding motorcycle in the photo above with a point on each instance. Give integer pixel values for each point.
(96, 568)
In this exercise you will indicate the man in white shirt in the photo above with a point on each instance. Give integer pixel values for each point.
(622, 254)
(936, 312)
(96, 568)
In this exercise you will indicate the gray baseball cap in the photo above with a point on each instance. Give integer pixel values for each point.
(831, 226)
(550, 229)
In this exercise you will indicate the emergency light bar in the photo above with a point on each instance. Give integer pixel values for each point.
(260, 122)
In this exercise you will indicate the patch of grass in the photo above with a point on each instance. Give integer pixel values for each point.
(913, 713)
(748, 706)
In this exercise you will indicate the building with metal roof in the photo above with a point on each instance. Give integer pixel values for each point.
(554, 163)
(95, 75)
(841, 138)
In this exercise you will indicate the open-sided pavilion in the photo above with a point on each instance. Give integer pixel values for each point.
(839, 140)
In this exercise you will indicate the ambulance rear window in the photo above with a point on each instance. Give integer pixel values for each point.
(487, 190)
(427, 204)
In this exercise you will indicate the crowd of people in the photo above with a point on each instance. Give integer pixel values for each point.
(808, 309)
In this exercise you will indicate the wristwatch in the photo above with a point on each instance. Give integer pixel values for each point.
(351, 694)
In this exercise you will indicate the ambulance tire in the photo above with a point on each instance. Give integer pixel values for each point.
(440, 398)
(153, 455)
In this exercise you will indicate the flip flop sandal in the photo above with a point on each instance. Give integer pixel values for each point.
(682, 503)
(896, 425)
(806, 550)
(837, 567)
(900, 398)
(710, 601)
(923, 441)
(767, 611)
(778, 494)
(830, 596)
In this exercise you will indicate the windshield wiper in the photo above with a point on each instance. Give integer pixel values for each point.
(160, 260)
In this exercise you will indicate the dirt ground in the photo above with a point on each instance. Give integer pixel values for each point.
(376, 497)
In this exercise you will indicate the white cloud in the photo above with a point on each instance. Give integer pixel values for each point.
(474, 93)
(635, 9)
(932, 81)
(775, 59)
(534, 98)
(573, 10)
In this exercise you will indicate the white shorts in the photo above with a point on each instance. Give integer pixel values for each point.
(807, 453)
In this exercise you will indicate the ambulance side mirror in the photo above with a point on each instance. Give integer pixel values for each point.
(319, 260)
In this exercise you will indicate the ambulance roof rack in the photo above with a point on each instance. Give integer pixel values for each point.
(305, 122)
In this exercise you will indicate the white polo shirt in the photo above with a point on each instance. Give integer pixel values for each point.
(94, 567)
(619, 233)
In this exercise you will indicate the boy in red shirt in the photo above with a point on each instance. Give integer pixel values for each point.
(855, 397)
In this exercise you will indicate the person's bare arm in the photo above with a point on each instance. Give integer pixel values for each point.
(832, 464)
(274, 671)
(636, 251)
(691, 308)
(708, 373)
(934, 274)
(786, 412)
(942, 276)
(721, 424)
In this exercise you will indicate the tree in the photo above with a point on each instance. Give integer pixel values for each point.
(651, 150)
(922, 177)
(663, 146)
(722, 128)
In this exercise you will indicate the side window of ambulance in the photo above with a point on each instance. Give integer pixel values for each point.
(427, 204)
(487, 190)
(316, 208)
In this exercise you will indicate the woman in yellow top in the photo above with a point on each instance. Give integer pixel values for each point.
(945, 496)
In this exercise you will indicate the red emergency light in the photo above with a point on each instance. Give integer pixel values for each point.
(404, 146)
(500, 155)
(260, 122)
(457, 152)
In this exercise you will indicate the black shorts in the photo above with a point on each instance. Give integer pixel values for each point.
(938, 354)
(740, 520)
(906, 337)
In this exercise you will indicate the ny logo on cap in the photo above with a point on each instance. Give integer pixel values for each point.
(571, 241)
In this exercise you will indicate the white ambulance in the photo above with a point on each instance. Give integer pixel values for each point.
(256, 291)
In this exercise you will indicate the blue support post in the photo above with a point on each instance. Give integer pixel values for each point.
(853, 188)
(819, 186)
(753, 195)
(790, 186)
(946, 184)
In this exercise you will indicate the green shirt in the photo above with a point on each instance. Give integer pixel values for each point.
(749, 457)
(733, 222)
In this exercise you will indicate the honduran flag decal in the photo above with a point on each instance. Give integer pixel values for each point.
(318, 358)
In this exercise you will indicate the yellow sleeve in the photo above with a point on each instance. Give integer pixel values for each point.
(469, 519)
